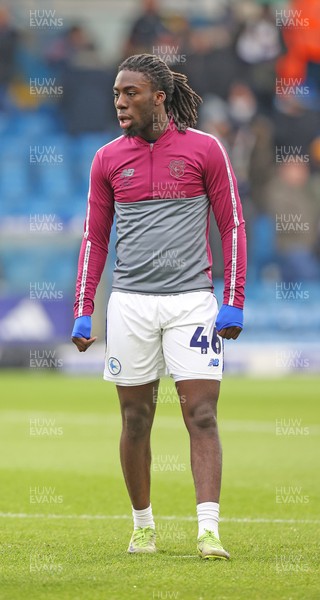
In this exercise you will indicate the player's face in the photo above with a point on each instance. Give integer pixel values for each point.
(136, 103)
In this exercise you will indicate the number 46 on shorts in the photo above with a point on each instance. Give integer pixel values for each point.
(201, 341)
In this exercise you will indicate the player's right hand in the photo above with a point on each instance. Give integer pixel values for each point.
(81, 334)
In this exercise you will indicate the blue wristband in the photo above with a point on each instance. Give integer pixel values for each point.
(82, 328)
(229, 316)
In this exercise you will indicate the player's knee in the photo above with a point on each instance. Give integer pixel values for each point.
(203, 418)
(136, 423)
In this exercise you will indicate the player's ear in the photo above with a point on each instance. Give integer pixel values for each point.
(159, 97)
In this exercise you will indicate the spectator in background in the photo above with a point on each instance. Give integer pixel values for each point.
(86, 104)
(294, 205)
(253, 156)
(147, 30)
(63, 50)
(211, 64)
(248, 137)
(302, 42)
(252, 146)
(214, 118)
(258, 45)
(86, 89)
(315, 155)
(8, 47)
(295, 125)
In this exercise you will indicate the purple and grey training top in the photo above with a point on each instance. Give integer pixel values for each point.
(162, 194)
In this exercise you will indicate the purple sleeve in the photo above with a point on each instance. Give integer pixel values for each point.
(222, 190)
(94, 247)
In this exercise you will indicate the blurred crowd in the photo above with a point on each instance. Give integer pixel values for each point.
(256, 66)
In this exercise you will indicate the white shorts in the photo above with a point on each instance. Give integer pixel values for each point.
(152, 336)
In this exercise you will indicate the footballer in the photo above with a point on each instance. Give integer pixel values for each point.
(162, 178)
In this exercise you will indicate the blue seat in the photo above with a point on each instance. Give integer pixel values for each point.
(14, 146)
(54, 180)
(20, 266)
(84, 148)
(262, 249)
(33, 123)
(40, 204)
(14, 178)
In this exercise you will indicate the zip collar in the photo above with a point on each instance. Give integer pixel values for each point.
(170, 130)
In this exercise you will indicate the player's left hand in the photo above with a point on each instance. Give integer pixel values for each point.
(229, 322)
(82, 343)
(230, 333)
(81, 334)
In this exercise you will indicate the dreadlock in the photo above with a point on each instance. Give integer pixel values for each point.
(181, 101)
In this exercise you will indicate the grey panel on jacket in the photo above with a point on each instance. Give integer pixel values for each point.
(162, 246)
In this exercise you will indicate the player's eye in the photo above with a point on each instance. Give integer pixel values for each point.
(115, 95)
(131, 93)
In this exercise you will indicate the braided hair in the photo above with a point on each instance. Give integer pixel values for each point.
(181, 101)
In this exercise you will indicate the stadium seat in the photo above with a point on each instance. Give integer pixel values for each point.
(262, 249)
(54, 180)
(84, 148)
(14, 146)
(14, 179)
(33, 123)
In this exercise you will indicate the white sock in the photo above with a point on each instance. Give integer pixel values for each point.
(208, 517)
(143, 518)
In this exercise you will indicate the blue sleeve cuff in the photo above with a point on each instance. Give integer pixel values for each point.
(229, 316)
(82, 327)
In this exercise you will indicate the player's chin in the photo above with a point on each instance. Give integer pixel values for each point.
(131, 131)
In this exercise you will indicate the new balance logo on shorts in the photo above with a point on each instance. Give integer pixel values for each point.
(214, 362)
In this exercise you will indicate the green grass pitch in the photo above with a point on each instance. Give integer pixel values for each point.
(66, 519)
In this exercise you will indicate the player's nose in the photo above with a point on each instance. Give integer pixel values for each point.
(121, 101)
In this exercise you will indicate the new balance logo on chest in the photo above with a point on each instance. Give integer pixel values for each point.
(125, 177)
(127, 173)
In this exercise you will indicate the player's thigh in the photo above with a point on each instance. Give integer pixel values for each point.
(133, 341)
(138, 402)
(192, 348)
(198, 398)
